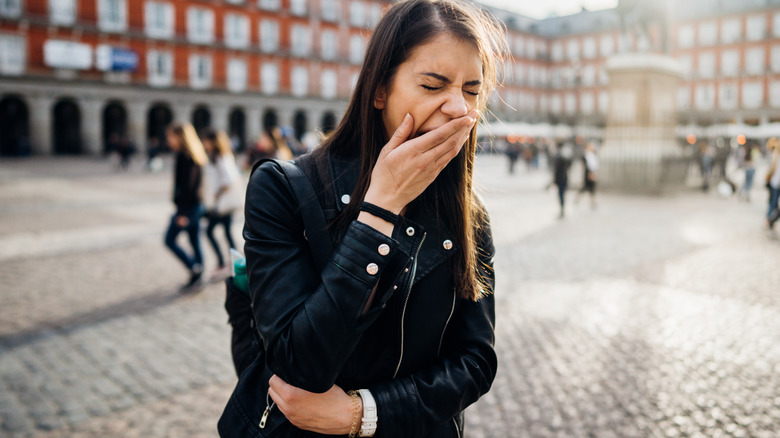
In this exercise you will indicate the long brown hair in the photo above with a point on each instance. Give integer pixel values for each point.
(361, 132)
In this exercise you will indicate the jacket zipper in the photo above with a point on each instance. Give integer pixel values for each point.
(406, 301)
(457, 429)
(269, 405)
(452, 310)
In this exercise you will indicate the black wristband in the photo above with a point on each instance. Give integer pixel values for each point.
(379, 212)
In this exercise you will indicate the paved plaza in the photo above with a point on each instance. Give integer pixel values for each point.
(643, 317)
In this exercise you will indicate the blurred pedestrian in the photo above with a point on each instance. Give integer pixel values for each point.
(270, 144)
(512, 153)
(707, 155)
(125, 149)
(591, 161)
(773, 183)
(223, 191)
(561, 165)
(189, 160)
(749, 165)
(153, 161)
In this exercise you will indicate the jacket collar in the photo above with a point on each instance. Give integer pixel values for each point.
(439, 243)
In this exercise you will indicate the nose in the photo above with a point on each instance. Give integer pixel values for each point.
(455, 105)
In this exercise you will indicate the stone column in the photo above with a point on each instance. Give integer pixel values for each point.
(136, 123)
(91, 125)
(219, 116)
(254, 123)
(41, 125)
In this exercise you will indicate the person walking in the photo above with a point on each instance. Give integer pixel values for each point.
(189, 160)
(773, 183)
(223, 192)
(589, 174)
(394, 337)
(561, 165)
(749, 165)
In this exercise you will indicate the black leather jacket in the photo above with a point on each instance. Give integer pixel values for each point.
(423, 352)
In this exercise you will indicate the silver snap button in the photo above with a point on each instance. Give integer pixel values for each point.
(384, 249)
(372, 269)
(395, 287)
(345, 199)
(406, 269)
(410, 231)
(447, 244)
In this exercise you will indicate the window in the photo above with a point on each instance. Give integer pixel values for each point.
(159, 67)
(686, 64)
(158, 17)
(356, 49)
(729, 63)
(236, 75)
(298, 7)
(518, 46)
(685, 36)
(708, 33)
(356, 17)
(269, 35)
(235, 2)
(300, 40)
(353, 81)
(300, 81)
(727, 96)
(684, 98)
(607, 45)
(328, 45)
(776, 24)
(752, 94)
(705, 96)
(519, 74)
(706, 65)
(112, 15)
(589, 48)
(236, 31)
(755, 30)
(573, 50)
(329, 84)
(557, 51)
(589, 75)
(13, 55)
(269, 5)
(776, 59)
(62, 12)
(754, 61)
(200, 71)
(530, 49)
(732, 31)
(603, 102)
(269, 78)
(10, 8)
(587, 103)
(556, 104)
(774, 94)
(603, 76)
(374, 15)
(200, 25)
(330, 10)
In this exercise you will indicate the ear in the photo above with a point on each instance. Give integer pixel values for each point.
(380, 98)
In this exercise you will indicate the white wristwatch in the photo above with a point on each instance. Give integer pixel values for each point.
(370, 416)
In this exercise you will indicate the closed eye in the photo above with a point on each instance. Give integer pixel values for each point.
(429, 88)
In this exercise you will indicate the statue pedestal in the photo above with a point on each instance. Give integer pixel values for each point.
(640, 153)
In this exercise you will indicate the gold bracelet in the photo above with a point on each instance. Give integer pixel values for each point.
(357, 415)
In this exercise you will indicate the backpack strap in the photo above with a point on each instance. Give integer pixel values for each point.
(314, 224)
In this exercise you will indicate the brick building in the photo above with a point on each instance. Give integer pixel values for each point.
(74, 72)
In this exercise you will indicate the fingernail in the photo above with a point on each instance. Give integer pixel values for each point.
(407, 117)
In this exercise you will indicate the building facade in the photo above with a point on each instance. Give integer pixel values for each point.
(75, 72)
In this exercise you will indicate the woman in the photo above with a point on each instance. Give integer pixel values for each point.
(773, 183)
(404, 312)
(270, 144)
(224, 194)
(190, 157)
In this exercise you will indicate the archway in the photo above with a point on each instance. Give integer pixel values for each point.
(114, 126)
(14, 127)
(299, 124)
(66, 129)
(201, 119)
(328, 122)
(237, 129)
(157, 120)
(270, 119)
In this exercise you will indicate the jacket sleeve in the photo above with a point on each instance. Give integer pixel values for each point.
(411, 406)
(309, 321)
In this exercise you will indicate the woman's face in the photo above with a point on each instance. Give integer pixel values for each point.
(173, 140)
(439, 82)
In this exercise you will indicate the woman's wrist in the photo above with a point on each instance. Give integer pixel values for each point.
(376, 223)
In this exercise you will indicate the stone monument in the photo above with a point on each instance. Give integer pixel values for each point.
(640, 152)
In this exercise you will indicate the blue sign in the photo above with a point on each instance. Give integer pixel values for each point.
(109, 58)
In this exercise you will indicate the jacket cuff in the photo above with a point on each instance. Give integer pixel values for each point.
(365, 253)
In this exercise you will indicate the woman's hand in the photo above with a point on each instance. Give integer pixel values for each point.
(182, 221)
(329, 413)
(405, 168)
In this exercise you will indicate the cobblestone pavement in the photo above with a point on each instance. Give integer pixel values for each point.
(646, 317)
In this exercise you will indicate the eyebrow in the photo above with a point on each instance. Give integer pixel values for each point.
(447, 80)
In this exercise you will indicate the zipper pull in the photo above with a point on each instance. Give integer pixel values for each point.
(265, 416)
